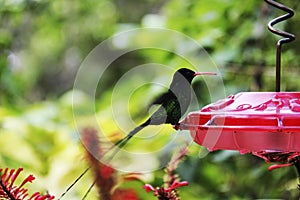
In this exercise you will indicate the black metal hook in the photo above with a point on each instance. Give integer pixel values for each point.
(288, 37)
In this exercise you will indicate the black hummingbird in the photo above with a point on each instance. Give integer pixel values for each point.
(173, 104)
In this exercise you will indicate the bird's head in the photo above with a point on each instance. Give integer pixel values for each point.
(190, 74)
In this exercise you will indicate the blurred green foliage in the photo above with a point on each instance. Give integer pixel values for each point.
(43, 43)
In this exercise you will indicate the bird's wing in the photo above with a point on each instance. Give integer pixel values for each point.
(161, 99)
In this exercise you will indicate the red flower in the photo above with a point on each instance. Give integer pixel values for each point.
(127, 194)
(106, 178)
(171, 180)
(166, 193)
(12, 192)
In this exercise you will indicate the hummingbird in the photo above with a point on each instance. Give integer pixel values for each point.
(173, 104)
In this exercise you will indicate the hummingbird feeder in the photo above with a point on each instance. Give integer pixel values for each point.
(265, 124)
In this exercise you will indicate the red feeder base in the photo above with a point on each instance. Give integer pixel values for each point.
(266, 124)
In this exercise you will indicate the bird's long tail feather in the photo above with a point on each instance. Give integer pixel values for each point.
(121, 143)
(118, 146)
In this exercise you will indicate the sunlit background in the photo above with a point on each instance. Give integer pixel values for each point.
(44, 42)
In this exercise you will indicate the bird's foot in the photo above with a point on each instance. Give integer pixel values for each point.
(177, 127)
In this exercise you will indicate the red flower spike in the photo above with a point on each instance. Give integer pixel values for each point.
(171, 181)
(34, 195)
(15, 176)
(127, 194)
(3, 178)
(37, 196)
(30, 178)
(106, 176)
(10, 175)
(106, 171)
(11, 192)
(149, 188)
(179, 184)
(166, 192)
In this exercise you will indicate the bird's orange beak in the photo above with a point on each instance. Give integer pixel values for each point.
(205, 73)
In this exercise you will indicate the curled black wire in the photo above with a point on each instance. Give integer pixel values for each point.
(288, 37)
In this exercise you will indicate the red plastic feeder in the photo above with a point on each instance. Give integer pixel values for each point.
(266, 124)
